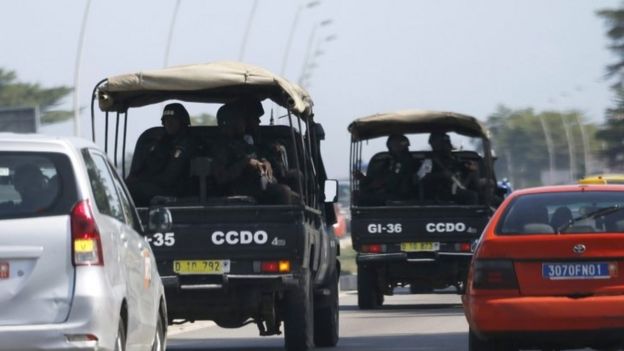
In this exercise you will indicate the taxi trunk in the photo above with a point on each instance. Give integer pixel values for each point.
(573, 265)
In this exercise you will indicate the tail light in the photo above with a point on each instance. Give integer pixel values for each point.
(463, 247)
(86, 241)
(494, 274)
(282, 266)
(373, 248)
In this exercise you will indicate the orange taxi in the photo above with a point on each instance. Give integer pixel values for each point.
(548, 271)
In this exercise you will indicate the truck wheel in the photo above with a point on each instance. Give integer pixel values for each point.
(299, 317)
(326, 318)
(368, 293)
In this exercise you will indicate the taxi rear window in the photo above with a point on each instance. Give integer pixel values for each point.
(564, 213)
(35, 184)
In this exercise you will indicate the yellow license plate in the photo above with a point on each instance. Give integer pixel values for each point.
(421, 246)
(201, 266)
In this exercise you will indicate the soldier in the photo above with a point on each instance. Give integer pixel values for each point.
(391, 180)
(167, 161)
(239, 169)
(446, 178)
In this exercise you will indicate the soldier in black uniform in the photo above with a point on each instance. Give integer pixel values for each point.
(167, 163)
(391, 180)
(239, 168)
(447, 178)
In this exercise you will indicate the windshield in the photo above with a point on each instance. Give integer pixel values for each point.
(35, 184)
(564, 213)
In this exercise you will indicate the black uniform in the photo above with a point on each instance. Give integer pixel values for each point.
(390, 180)
(164, 170)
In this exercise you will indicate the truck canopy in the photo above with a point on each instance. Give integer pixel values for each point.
(415, 121)
(217, 82)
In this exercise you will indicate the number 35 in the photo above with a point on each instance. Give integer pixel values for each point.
(160, 239)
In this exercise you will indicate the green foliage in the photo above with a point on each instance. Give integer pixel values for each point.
(18, 94)
(521, 147)
(205, 119)
(612, 132)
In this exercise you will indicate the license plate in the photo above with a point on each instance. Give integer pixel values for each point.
(579, 270)
(201, 266)
(420, 246)
(4, 270)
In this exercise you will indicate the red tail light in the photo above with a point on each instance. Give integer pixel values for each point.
(373, 248)
(86, 242)
(282, 266)
(463, 247)
(494, 274)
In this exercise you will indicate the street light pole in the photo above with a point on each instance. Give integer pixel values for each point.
(247, 29)
(571, 155)
(306, 58)
(170, 37)
(77, 131)
(550, 147)
(585, 141)
(293, 27)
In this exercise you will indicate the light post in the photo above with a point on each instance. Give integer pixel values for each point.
(171, 28)
(550, 147)
(293, 27)
(306, 57)
(76, 94)
(310, 65)
(571, 155)
(585, 142)
(247, 29)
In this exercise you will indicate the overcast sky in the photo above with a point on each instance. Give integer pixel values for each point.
(466, 56)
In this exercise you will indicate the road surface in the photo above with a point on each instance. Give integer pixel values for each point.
(406, 322)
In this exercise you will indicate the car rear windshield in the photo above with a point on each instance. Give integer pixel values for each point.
(35, 184)
(564, 213)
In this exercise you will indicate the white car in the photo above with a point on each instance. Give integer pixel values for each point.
(75, 273)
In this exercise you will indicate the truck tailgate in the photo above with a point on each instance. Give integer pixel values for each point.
(238, 235)
(394, 224)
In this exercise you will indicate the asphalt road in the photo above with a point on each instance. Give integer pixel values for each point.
(406, 322)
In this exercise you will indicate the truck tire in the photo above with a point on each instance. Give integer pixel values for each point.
(368, 293)
(326, 321)
(299, 316)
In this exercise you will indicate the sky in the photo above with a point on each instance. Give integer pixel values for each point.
(467, 56)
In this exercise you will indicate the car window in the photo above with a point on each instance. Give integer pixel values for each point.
(564, 213)
(106, 197)
(35, 184)
(126, 204)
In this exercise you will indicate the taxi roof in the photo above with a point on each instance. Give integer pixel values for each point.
(568, 188)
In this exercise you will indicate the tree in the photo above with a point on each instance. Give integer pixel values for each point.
(14, 93)
(612, 132)
(205, 119)
(519, 138)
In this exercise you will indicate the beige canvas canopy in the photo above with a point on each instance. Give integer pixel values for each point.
(217, 82)
(415, 121)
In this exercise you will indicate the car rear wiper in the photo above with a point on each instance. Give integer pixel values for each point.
(600, 212)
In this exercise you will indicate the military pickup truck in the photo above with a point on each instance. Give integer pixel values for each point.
(415, 238)
(231, 259)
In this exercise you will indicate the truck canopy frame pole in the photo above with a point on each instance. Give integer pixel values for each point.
(297, 163)
(123, 150)
(116, 138)
(106, 133)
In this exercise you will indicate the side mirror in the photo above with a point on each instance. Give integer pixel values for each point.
(331, 191)
(159, 220)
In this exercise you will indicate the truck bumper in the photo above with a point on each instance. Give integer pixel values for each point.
(405, 257)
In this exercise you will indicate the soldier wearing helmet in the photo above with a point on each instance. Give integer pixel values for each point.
(391, 179)
(167, 161)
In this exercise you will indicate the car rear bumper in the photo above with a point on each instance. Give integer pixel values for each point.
(489, 316)
(89, 315)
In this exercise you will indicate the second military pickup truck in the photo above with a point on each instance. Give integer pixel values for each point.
(416, 239)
